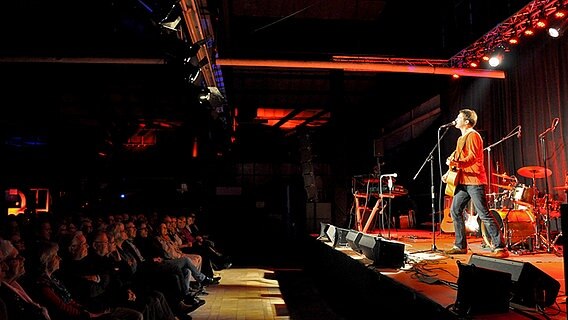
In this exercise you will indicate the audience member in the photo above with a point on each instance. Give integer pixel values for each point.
(19, 305)
(202, 241)
(87, 283)
(53, 293)
(3, 269)
(172, 254)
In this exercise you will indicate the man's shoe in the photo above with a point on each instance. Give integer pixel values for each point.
(456, 250)
(193, 304)
(499, 253)
(183, 308)
(195, 286)
(210, 281)
(183, 316)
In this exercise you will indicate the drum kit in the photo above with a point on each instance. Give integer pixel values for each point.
(522, 215)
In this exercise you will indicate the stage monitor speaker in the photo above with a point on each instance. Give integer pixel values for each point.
(353, 237)
(531, 287)
(336, 235)
(330, 233)
(384, 253)
(340, 237)
(323, 229)
(482, 290)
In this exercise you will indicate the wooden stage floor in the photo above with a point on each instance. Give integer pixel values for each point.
(431, 274)
(341, 284)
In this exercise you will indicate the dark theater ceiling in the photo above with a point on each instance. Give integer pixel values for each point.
(92, 77)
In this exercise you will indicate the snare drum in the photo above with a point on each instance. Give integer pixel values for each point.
(524, 195)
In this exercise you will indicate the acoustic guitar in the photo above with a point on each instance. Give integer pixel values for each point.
(451, 181)
(469, 216)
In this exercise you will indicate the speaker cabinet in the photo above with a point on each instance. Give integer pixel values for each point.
(340, 237)
(530, 287)
(337, 236)
(482, 291)
(330, 233)
(323, 231)
(384, 253)
(353, 237)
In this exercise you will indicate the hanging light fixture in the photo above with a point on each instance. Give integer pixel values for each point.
(556, 30)
(497, 56)
(172, 18)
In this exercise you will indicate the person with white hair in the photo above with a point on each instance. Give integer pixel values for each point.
(3, 268)
(19, 305)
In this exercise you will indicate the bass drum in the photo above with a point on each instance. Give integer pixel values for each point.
(515, 225)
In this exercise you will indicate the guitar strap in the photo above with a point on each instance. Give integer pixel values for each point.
(462, 146)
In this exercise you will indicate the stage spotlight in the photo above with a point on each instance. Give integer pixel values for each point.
(529, 30)
(495, 60)
(560, 12)
(554, 32)
(497, 56)
(204, 95)
(172, 19)
(557, 30)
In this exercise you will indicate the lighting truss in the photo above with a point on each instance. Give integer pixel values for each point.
(393, 60)
(511, 28)
(198, 21)
(496, 38)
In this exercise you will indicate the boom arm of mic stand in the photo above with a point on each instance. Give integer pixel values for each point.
(541, 136)
(488, 148)
(512, 134)
(430, 159)
(431, 153)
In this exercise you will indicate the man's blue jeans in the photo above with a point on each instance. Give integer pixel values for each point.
(462, 195)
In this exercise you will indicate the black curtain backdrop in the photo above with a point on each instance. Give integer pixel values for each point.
(533, 93)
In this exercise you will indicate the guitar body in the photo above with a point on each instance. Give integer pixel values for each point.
(451, 181)
(469, 216)
(447, 224)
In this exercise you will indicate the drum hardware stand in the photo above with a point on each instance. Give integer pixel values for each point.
(430, 158)
(555, 121)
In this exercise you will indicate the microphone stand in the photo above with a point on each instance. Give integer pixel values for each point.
(546, 195)
(430, 158)
(389, 204)
(488, 148)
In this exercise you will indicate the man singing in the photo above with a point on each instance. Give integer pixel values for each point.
(469, 183)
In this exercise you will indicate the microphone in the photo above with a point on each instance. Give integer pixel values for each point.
(390, 175)
(519, 133)
(449, 124)
(555, 123)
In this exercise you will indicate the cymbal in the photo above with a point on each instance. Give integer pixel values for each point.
(502, 175)
(534, 172)
(503, 186)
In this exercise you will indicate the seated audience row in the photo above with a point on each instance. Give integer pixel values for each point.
(117, 268)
